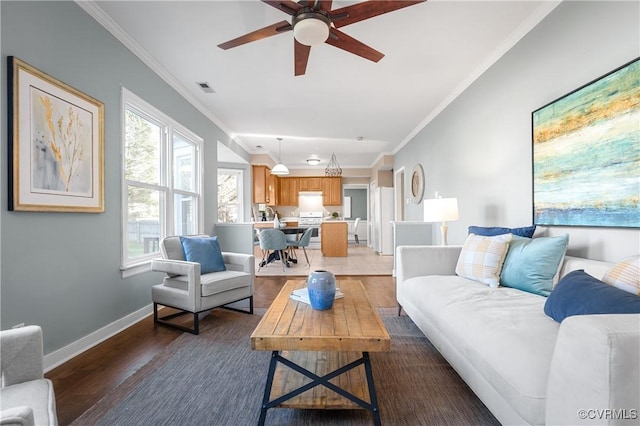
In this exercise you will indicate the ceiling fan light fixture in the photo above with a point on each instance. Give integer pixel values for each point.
(311, 29)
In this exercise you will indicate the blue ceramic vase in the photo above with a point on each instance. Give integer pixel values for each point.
(322, 289)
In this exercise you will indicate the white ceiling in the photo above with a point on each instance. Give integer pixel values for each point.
(433, 51)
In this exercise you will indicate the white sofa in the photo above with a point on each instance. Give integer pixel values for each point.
(26, 397)
(525, 367)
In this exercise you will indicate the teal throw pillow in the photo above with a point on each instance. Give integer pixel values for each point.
(578, 293)
(205, 251)
(533, 264)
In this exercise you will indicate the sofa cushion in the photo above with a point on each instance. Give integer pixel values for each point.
(205, 251)
(482, 257)
(502, 332)
(35, 394)
(578, 293)
(526, 231)
(213, 283)
(625, 275)
(533, 265)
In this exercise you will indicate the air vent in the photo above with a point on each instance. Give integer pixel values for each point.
(205, 87)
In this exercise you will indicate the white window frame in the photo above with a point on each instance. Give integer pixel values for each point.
(130, 101)
(240, 173)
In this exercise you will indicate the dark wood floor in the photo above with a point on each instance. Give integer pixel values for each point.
(84, 380)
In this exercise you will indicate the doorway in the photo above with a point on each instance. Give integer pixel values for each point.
(399, 197)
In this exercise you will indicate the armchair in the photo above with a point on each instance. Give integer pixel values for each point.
(186, 289)
(26, 397)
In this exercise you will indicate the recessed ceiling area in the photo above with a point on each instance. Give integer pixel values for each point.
(433, 51)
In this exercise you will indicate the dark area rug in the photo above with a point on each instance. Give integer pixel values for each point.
(216, 379)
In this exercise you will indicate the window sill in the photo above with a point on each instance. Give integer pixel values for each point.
(135, 269)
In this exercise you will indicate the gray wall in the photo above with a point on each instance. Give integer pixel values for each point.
(61, 270)
(358, 203)
(479, 148)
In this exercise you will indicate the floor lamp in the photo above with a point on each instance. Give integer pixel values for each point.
(441, 210)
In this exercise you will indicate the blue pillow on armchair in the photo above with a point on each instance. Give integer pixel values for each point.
(526, 231)
(205, 251)
(578, 293)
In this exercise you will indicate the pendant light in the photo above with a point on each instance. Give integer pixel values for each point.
(279, 169)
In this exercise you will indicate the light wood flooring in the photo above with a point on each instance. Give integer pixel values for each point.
(361, 260)
(84, 380)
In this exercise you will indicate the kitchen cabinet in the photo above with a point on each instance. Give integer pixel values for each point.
(311, 183)
(265, 186)
(332, 191)
(333, 239)
(272, 190)
(261, 175)
(288, 190)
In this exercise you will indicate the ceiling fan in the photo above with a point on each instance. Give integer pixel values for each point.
(314, 23)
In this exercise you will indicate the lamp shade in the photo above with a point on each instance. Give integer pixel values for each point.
(280, 169)
(311, 31)
(440, 209)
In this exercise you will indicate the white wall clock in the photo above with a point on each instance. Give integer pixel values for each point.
(417, 184)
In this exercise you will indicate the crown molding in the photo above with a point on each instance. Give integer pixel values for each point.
(96, 12)
(523, 29)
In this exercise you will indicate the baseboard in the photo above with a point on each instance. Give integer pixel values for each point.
(64, 354)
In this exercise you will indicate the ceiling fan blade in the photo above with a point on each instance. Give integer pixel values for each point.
(345, 42)
(325, 5)
(358, 12)
(287, 6)
(256, 35)
(301, 57)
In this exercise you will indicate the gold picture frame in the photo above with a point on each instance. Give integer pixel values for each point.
(56, 144)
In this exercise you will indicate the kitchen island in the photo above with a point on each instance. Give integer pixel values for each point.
(334, 238)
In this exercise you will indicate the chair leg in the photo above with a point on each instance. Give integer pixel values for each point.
(305, 255)
(357, 241)
(262, 262)
(165, 320)
(282, 258)
(242, 311)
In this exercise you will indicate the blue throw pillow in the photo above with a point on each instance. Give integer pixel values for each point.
(526, 231)
(578, 293)
(205, 251)
(532, 264)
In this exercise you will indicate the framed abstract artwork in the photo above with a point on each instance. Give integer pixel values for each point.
(586, 154)
(56, 144)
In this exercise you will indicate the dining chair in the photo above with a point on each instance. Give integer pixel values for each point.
(302, 242)
(275, 240)
(353, 232)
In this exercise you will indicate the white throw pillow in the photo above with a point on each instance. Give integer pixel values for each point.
(625, 275)
(482, 257)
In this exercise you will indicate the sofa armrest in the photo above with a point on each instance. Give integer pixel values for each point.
(416, 261)
(239, 262)
(595, 371)
(21, 354)
(17, 416)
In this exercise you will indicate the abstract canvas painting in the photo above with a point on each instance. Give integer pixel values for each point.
(586, 154)
(57, 148)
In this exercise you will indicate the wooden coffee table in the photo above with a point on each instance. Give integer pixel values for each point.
(329, 347)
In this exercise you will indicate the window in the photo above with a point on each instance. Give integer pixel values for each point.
(230, 196)
(161, 180)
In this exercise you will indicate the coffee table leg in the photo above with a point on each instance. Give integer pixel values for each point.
(267, 388)
(372, 390)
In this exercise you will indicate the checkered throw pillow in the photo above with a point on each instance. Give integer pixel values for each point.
(482, 257)
(625, 275)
